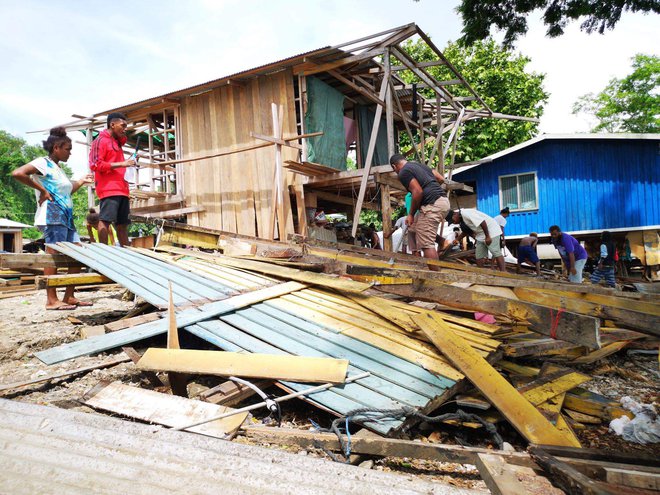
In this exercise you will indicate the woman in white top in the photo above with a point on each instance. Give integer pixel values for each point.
(54, 216)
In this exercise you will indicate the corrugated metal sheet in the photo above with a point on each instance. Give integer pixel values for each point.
(296, 325)
(590, 184)
(47, 450)
(149, 277)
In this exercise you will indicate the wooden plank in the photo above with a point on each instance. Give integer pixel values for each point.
(632, 478)
(184, 318)
(503, 478)
(229, 393)
(567, 477)
(65, 374)
(168, 410)
(37, 261)
(529, 422)
(596, 455)
(605, 351)
(570, 327)
(131, 322)
(72, 280)
(615, 299)
(642, 322)
(370, 154)
(384, 447)
(279, 271)
(583, 418)
(551, 385)
(274, 367)
(536, 347)
(586, 402)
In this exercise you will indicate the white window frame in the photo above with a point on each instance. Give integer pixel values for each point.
(536, 190)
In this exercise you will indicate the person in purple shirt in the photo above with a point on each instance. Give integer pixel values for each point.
(572, 253)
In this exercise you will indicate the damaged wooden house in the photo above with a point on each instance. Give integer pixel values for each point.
(254, 152)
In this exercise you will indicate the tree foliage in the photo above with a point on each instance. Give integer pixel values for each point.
(631, 104)
(499, 77)
(17, 201)
(480, 16)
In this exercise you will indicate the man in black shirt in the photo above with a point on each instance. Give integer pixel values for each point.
(429, 201)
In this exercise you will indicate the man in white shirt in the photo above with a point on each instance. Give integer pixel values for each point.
(486, 233)
(501, 221)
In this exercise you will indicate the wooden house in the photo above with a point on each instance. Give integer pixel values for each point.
(585, 183)
(11, 235)
(249, 152)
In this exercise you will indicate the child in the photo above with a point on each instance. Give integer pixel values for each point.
(93, 228)
(605, 267)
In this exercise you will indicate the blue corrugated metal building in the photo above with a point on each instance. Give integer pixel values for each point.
(585, 183)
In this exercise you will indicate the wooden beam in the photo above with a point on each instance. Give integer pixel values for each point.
(277, 271)
(567, 477)
(249, 365)
(165, 409)
(387, 216)
(384, 447)
(579, 329)
(370, 155)
(389, 180)
(642, 322)
(72, 280)
(310, 68)
(522, 415)
(65, 374)
(342, 200)
(13, 261)
(389, 109)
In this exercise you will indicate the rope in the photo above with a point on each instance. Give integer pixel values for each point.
(555, 322)
(364, 415)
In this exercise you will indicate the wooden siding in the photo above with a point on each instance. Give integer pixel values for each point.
(236, 190)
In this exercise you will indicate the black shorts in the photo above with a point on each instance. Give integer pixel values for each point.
(115, 209)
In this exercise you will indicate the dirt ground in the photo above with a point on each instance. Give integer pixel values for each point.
(27, 327)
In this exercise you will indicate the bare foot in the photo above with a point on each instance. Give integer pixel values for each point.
(77, 302)
(61, 306)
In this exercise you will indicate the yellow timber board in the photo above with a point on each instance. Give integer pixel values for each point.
(518, 411)
(250, 365)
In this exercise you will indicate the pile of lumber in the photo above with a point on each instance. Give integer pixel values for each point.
(16, 283)
(367, 315)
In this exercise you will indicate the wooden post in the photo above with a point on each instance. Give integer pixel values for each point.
(387, 216)
(302, 105)
(389, 110)
(370, 153)
(152, 171)
(422, 137)
(278, 189)
(178, 381)
(90, 188)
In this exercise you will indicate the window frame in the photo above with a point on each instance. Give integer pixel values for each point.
(536, 191)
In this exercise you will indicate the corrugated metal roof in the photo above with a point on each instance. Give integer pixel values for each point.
(304, 322)
(47, 450)
(459, 169)
(10, 224)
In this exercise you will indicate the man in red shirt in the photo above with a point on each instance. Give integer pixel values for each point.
(106, 160)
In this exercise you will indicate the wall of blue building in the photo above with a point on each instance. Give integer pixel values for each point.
(582, 184)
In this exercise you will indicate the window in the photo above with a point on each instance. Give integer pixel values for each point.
(519, 192)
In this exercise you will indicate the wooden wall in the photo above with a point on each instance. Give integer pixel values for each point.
(235, 190)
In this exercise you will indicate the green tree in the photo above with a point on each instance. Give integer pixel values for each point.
(18, 202)
(480, 16)
(631, 104)
(500, 78)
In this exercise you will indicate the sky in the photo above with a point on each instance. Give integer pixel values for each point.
(74, 57)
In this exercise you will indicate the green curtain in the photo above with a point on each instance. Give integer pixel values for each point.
(325, 113)
(366, 117)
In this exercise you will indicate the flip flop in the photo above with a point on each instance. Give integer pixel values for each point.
(63, 307)
(84, 303)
